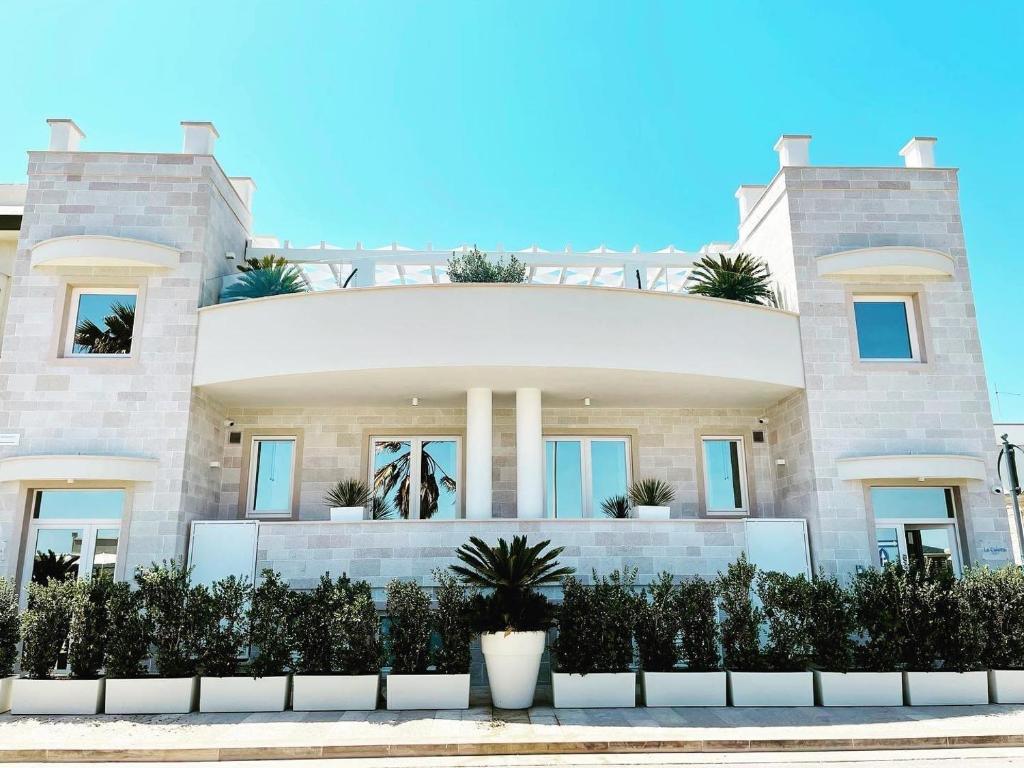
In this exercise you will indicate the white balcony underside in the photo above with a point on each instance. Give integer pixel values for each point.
(383, 345)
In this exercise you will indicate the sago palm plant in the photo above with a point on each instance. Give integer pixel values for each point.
(739, 278)
(511, 574)
(269, 276)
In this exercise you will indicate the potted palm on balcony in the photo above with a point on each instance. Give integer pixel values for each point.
(348, 500)
(338, 655)
(650, 498)
(510, 614)
(677, 624)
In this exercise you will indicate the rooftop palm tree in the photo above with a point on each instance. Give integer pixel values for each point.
(741, 278)
(396, 474)
(269, 276)
(114, 338)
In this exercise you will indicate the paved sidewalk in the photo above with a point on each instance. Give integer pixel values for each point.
(483, 730)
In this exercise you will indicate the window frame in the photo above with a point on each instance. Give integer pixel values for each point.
(250, 504)
(90, 527)
(744, 510)
(590, 510)
(910, 310)
(902, 524)
(71, 320)
(416, 441)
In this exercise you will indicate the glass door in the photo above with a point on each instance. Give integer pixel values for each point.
(581, 473)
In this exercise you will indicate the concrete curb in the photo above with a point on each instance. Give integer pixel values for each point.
(484, 748)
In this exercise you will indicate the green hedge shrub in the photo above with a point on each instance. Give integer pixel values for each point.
(175, 611)
(452, 625)
(785, 602)
(268, 626)
(45, 625)
(658, 620)
(224, 617)
(10, 628)
(128, 633)
(700, 636)
(741, 618)
(595, 624)
(409, 615)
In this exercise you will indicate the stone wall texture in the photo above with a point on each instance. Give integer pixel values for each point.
(144, 406)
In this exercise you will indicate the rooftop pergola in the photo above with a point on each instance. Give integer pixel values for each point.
(329, 266)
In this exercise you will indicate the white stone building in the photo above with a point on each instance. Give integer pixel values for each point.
(859, 408)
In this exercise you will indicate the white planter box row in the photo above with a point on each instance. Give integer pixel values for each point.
(616, 689)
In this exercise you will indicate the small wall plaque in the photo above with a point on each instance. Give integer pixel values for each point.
(10, 438)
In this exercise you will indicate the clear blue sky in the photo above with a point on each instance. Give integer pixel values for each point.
(547, 122)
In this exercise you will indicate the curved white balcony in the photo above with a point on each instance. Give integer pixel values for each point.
(381, 345)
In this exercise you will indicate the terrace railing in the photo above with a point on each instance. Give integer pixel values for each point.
(329, 267)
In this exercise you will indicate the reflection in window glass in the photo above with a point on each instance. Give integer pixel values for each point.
(723, 474)
(928, 503)
(104, 555)
(57, 554)
(272, 487)
(438, 500)
(888, 545)
(564, 470)
(607, 470)
(104, 323)
(929, 547)
(392, 473)
(883, 332)
(79, 505)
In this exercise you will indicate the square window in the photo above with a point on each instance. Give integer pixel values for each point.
(271, 475)
(101, 322)
(416, 477)
(886, 328)
(725, 475)
(581, 473)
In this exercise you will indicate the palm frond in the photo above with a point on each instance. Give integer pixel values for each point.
(739, 278)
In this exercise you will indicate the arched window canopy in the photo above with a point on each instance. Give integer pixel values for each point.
(103, 251)
(912, 467)
(121, 469)
(887, 260)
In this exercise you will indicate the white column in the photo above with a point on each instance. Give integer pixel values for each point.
(478, 453)
(529, 455)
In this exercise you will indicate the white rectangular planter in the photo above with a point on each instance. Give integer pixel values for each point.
(683, 689)
(347, 514)
(1006, 686)
(243, 694)
(6, 690)
(935, 688)
(320, 693)
(57, 697)
(651, 513)
(596, 689)
(859, 689)
(428, 691)
(151, 695)
(771, 689)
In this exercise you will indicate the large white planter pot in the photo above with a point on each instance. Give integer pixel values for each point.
(859, 689)
(596, 689)
(513, 661)
(151, 696)
(322, 693)
(651, 513)
(683, 689)
(428, 691)
(57, 697)
(935, 688)
(771, 689)
(6, 691)
(243, 694)
(347, 514)
(1006, 686)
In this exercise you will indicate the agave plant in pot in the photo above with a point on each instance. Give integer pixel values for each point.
(510, 614)
(348, 500)
(650, 498)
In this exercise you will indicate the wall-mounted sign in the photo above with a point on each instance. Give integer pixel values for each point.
(995, 553)
(10, 438)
